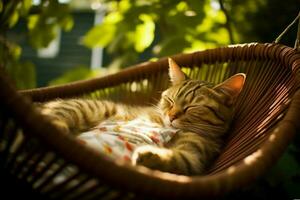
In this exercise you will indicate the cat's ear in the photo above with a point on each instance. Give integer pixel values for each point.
(232, 86)
(175, 73)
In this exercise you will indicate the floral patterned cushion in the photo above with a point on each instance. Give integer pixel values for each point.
(119, 139)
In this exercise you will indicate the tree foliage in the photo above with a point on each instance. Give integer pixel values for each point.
(42, 20)
(159, 28)
(155, 28)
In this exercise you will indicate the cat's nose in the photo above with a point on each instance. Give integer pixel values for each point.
(174, 113)
(173, 116)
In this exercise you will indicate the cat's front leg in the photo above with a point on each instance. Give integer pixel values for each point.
(167, 160)
(153, 157)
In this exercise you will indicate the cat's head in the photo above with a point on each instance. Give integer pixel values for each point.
(199, 106)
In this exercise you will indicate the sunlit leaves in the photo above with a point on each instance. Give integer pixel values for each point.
(12, 10)
(40, 38)
(43, 26)
(25, 7)
(15, 51)
(67, 23)
(181, 6)
(42, 29)
(142, 22)
(124, 5)
(144, 33)
(167, 27)
(32, 21)
(13, 19)
(219, 36)
(198, 45)
(113, 18)
(101, 35)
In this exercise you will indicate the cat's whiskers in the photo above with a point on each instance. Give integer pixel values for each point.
(153, 104)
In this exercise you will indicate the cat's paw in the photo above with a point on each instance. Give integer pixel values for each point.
(153, 157)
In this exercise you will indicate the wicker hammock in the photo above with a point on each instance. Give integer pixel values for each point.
(267, 117)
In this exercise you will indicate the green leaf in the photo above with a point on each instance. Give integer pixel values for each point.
(144, 34)
(15, 51)
(182, 6)
(100, 35)
(32, 21)
(67, 23)
(113, 18)
(220, 36)
(13, 19)
(41, 37)
(124, 5)
(25, 7)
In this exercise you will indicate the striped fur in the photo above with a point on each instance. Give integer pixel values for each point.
(201, 111)
(78, 115)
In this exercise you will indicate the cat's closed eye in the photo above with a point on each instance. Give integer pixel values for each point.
(187, 108)
(168, 100)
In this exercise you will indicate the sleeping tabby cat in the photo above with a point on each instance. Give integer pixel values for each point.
(201, 111)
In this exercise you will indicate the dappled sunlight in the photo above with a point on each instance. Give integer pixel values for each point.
(272, 137)
(139, 86)
(172, 177)
(231, 170)
(157, 173)
(133, 87)
(275, 109)
(164, 175)
(253, 157)
(242, 45)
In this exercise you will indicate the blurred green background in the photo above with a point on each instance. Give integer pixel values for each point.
(50, 42)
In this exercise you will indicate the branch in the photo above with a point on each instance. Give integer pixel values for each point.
(227, 23)
(287, 28)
